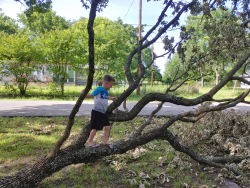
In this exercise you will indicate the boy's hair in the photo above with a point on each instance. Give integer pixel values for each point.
(108, 78)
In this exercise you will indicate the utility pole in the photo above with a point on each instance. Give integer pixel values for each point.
(152, 73)
(139, 38)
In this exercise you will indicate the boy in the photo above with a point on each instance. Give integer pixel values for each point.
(98, 117)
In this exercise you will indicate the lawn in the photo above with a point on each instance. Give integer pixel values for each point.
(24, 140)
(72, 92)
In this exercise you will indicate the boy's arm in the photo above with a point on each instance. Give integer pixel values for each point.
(88, 95)
(112, 98)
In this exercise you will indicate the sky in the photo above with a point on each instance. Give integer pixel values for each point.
(127, 10)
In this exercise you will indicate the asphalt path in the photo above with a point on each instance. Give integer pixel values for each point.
(63, 108)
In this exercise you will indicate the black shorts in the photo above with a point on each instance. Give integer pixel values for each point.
(99, 120)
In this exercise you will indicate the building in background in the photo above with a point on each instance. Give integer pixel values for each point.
(45, 75)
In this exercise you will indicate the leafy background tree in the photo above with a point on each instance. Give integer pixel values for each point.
(44, 21)
(20, 55)
(62, 49)
(211, 50)
(147, 59)
(112, 45)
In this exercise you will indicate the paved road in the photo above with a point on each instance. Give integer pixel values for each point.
(63, 108)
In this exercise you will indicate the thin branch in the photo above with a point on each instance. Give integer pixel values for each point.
(131, 121)
(164, 29)
(228, 159)
(170, 50)
(158, 22)
(193, 120)
(183, 82)
(172, 82)
(240, 79)
(148, 121)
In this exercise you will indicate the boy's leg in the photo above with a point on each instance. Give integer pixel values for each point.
(91, 137)
(106, 135)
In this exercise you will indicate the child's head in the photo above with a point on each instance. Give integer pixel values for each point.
(108, 81)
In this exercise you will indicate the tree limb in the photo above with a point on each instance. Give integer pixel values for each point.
(75, 109)
(240, 79)
(190, 152)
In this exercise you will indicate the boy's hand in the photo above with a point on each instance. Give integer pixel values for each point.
(113, 98)
(82, 92)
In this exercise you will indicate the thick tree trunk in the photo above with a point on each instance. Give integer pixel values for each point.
(31, 177)
(62, 86)
(22, 92)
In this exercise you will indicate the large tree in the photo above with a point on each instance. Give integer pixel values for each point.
(77, 153)
(62, 50)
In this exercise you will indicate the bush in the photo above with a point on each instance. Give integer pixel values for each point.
(53, 89)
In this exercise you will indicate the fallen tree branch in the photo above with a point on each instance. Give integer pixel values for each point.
(197, 157)
(193, 120)
(228, 159)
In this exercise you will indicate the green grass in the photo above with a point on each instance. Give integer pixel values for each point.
(22, 143)
(73, 92)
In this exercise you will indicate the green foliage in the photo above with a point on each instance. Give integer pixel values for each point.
(208, 49)
(7, 24)
(62, 50)
(147, 59)
(35, 6)
(10, 87)
(112, 45)
(213, 44)
(20, 55)
(53, 89)
(102, 4)
(173, 68)
(44, 22)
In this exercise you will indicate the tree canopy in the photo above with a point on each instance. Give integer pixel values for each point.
(62, 49)
(7, 24)
(44, 22)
